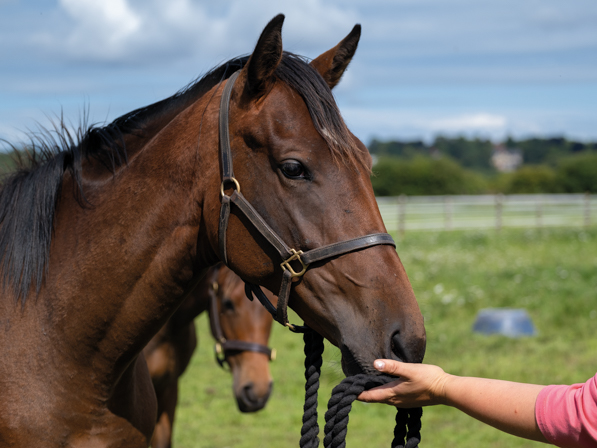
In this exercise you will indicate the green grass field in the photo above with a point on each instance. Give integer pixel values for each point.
(551, 273)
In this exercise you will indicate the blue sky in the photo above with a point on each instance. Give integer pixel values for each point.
(423, 67)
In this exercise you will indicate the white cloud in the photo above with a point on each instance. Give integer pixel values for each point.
(417, 124)
(102, 27)
(411, 40)
(470, 27)
(136, 31)
(423, 66)
(468, 123)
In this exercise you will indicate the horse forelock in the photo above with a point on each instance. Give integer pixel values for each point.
(309, 84)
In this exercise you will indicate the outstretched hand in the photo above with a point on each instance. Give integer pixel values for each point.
(418, 385)
(507, 406)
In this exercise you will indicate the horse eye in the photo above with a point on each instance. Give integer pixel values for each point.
(293, 170)
(228, 305)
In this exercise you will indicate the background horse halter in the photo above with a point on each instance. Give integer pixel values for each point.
(224, 345)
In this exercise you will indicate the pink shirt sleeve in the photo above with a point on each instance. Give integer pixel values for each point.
(567, 415)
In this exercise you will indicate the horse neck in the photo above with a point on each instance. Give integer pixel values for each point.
(139, 247)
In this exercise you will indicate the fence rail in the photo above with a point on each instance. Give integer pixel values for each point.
(404, 213)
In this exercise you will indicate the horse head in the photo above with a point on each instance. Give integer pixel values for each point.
(308, 179)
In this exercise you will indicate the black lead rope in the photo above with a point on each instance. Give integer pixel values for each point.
(313, 361)
(407, 432)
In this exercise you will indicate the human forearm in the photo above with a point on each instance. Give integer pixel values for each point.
(507, 406)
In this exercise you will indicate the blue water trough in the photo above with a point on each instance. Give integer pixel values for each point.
(510, 322)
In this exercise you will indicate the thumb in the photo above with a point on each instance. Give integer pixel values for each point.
(388, 366)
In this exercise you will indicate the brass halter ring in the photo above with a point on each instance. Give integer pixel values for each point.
(236, 184)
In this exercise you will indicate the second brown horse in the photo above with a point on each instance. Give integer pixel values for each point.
(241, 329)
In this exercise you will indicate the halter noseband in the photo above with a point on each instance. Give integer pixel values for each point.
(287, 254)
(224, 345)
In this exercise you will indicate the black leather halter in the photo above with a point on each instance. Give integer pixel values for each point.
(287, 254)
(224, 345)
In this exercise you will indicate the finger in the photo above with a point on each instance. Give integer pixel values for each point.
(377, 394)
(365, 396)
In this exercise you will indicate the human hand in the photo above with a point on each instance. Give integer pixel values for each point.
(418, 385)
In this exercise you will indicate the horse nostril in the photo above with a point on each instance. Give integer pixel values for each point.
(245, 398)
(249, 393)
(397, 348)
(249, 400)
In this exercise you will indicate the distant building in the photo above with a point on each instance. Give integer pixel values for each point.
(505, 159)
(435, 153)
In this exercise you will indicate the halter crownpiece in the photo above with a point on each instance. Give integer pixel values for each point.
(287, 254)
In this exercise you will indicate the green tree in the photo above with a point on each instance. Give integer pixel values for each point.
(578, 173)
(398, 149)
(533, 179)
(475, 154)
(423, 176)
(7, 162)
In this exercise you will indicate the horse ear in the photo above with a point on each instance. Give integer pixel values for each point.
(332, 63)
(265, 58)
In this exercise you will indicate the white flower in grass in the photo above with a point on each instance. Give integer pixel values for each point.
(448, 298)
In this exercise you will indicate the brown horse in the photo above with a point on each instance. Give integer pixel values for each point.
(101, 238)
(241, 329)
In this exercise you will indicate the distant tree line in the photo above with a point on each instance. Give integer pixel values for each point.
(463, 166)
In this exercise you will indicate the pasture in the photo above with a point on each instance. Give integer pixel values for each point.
(552, 273)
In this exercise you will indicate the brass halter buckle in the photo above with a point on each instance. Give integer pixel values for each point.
(295, 256)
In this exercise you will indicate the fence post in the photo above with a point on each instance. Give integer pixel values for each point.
(587, 209)
(448, 212)
(401, 214)
(499, 202)
(539, 211)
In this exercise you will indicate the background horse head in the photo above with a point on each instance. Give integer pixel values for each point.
(241, 329)
(103, 235)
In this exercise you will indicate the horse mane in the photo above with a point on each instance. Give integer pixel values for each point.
(30, 195)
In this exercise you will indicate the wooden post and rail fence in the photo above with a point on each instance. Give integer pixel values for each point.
(438, 213)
